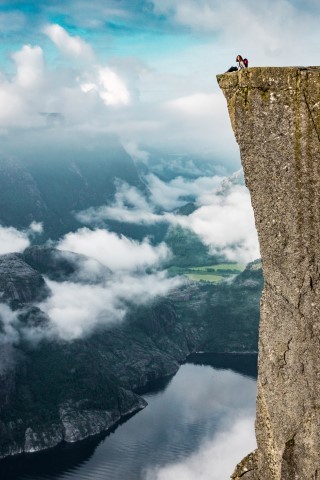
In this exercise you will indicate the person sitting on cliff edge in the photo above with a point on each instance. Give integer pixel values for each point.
(242, 63)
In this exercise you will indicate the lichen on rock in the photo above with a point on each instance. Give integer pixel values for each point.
(275, 115)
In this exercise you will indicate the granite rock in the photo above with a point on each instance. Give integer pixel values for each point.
(275, 115)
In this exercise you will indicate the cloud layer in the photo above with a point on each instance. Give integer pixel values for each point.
(76, 309)
(269, 28)
(98, 96)
(223, 217)
(8, 322)
(67, 44)
(13, 240)
(116, 253)
(94, 296)
(97, 297)
(144, 72)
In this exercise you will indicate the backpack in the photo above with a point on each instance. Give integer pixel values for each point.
(246, 63)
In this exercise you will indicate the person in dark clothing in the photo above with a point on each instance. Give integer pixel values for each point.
(232, 69)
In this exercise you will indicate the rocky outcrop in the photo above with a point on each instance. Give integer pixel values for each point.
(61, 265)
(275, 115)
(19, 282)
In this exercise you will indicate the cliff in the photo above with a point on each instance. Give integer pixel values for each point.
(275, 115)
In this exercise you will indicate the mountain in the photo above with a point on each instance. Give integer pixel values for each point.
(188, 249)
(54, 390)
(52, 188)
(168, 166)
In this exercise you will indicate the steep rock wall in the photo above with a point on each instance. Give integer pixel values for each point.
(275, 115)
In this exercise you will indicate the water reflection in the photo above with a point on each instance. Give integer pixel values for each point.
(246, 364)
(195, 414)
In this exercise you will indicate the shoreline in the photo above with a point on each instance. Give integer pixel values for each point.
(146, 389)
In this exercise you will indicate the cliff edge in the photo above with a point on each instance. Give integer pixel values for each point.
(275, 115)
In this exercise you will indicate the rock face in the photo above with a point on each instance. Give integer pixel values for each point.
(275, 115)
(19, 282)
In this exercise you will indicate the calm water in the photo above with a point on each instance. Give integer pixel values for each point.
(197, 426)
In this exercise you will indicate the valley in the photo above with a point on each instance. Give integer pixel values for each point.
(100, 306)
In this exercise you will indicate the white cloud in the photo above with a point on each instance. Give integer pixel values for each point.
(131, 206)
(8, 322)
(95, 296)
(110, 87)
(226, 224)
(12, 105)
(263, 31)
(117, 253)
(198, 105)
(131, 196)
(30, 66)
(76, 309)
(172, 96)
(40, 97)
(36, 227)
(173, 194)
(135, 152)
(20, 95)
(17, 95)
(12, 240)
(121, 213)
(114, 90)
(197, 122)
(84, 95)
(223, 218)
(69, 45)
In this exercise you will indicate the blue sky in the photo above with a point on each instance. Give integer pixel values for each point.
(113, 28)
(142, 70)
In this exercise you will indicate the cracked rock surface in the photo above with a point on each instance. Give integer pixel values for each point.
(275, 115)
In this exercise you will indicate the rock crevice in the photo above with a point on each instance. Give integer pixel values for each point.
(275, 115)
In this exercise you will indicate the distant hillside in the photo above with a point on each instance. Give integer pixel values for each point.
(187, 248)
(52, 188)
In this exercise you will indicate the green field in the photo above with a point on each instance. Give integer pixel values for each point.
(234, 267)
(200, 277)
(209, 273)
